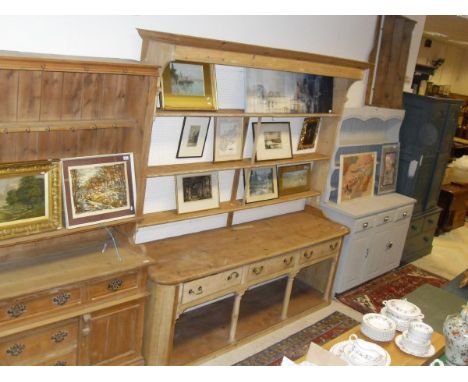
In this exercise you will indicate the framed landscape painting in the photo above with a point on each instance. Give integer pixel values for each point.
(30, 198)
(197, 192)
(228, 139)
(357, 176)
(260, 184)
(293, 179)
(98, 189)
(193, 137)
(388, 168)
(188, 86)
(274, 140)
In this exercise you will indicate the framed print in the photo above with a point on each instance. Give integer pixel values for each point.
(357, 175)
(309, 134)
(269, 91)
(188, 86)
(293, 179)
(260, 184)
(274, 140)
(228, 142)
(30, 198)
(193, 137)
(197, 192)
(388, 168)
(98, 189)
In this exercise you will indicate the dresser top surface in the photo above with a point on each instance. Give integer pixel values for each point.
(193, 256)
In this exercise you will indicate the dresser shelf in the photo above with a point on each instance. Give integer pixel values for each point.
(238, 113)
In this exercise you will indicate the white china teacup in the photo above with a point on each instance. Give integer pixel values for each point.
(420, 332)
(413, 346)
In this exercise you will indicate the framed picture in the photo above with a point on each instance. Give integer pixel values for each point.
(269, 91)
(274, 140)
(309, 133)
(197, 192)
(229, 139)
(388, 168)
(357, 176)
(98, 189)
(188, 86)
(293, 179)
(30, 198)
(260, 184)
(193, 137)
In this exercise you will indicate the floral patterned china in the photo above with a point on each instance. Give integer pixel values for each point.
(403, 346)
(378, 327)
(402, 309)
(357, 352)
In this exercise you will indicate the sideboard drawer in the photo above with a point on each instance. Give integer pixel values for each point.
(30, 306)
(430, 222)
(415, 227)
(271, 266)
(363, 224)
(38, 343)
(113, 285)
(404, 213)
(318, 250)
(68, 359)
(385, 217)
(194, 290)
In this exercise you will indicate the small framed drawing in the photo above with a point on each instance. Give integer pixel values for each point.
(293, 179)
(30, 198)
(309, 133)
(357, 176)
(260, 184)
(193, 137)
(388, 168)
(229, 139)
(98, 189)
(273, 141)
(197, 192)
(188, 86)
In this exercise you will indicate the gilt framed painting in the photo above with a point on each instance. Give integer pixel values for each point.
(98, 189)
(294, 179)
(309, 134)
(357, 176)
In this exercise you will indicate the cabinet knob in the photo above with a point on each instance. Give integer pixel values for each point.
(405, 214)
(386, 219)
(389, 245)
(365, 225)
(426, 239)
(115, 285)
(16, 310)
(413, 227)
(61, 299)
(258, 270)
(288, 262)
(15, 350)
(233, 275)
(197, 292)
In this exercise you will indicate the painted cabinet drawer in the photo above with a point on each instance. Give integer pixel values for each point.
(319, 250)
(38, 343)
(430, 222)
(194, 290)
(415, 227)
(30, 306)
(113, 285)
(384, 217)
(363, 224)
(271, 266)
(404, 213)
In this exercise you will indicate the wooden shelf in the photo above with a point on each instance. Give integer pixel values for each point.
(155, 218)
(236, 113)
(47, 126)
(192, 168)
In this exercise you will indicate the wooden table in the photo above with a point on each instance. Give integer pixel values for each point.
(398, 357)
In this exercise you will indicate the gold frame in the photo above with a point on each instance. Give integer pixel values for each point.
(177, 102)
(36, 225)
(294, 190)
(305, 125)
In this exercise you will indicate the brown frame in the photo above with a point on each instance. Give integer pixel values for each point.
(282, 170)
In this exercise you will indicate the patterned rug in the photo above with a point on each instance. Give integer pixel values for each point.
(297, 345)
(367, 298)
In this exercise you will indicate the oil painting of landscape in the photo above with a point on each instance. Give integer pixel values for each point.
(187, 79)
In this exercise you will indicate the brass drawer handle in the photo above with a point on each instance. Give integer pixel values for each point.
(199, 291)
(258, 270)
(59, 336)
(61, 299)
(60, 363)
(426, 239)
(16, 310)
(234, 275)
(333, 246)
(289, 261)
(16, 350)
(309, 254)
(115, 285)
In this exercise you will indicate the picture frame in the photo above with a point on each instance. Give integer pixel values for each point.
(30, 198)
(357, 176)
(228, 139)
(388, 168)
(260, 184)
(197, 192)
(193, 137)
(270, 91)
(294, 179)
(188, 86)
(309, 133)
(272, 140)
(98, 189)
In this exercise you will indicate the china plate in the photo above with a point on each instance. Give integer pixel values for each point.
(338, 350)
(399, 342)
(379, 322)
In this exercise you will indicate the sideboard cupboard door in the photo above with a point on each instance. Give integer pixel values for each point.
(112, 336)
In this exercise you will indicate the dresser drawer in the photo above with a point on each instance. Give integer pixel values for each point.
(68, 359)
(363, 224)
(271, 266)
(415, 227)
(30, 306)
(430, 222)
(319, 250)
(113, 285)
(194, 290)
(384, 217)
(404, 213)
(38, 343)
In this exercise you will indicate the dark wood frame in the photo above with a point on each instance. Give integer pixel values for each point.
(385, 150)
(262, 124)
(182, 134)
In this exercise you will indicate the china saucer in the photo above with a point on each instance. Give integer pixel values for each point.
(399, 342)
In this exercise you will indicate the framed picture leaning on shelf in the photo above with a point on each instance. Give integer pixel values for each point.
(293, 179)
(193, 137)
(30, 198)
(388, 168)
(188, 86)
(98, 189)
(197, 192)
(273, 141)
(357, 176)
(309, 133)
(228, 139)
(260, 184)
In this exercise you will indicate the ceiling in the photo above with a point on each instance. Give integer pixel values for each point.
(451, 29)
